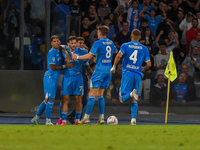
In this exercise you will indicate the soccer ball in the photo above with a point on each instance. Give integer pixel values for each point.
(112, 120)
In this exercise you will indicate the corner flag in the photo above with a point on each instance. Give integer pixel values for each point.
(171, 68)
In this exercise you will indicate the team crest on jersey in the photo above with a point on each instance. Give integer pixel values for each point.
(53, 58)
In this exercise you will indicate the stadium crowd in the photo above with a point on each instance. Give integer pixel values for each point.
(165, 25)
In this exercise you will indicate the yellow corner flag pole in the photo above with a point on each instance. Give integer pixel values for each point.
(171, 74)
(166, 112)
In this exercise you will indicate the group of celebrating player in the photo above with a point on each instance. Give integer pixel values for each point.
(74, 58)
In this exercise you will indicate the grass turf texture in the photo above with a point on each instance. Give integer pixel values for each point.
(99, 137)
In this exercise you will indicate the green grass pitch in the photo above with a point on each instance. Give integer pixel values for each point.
(99, 137)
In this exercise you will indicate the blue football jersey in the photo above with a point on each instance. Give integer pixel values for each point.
(53, 57)
(154, 22)
(180, 91)
(78, 63)
(103, 50)
(134, 54)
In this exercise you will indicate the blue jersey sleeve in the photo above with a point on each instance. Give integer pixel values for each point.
(123, 49)
(94, 48)
(51, 58)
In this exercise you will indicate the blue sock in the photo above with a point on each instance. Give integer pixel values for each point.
(41, 108)
(63, 115)
(126, 97)
(101, 103)
(60, 110)
(134, 108)
(78, 114)
(90, 105)
(49, 108)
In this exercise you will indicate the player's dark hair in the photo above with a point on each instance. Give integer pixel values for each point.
(163, 43)
(54, 37)
(103, 29)
(134, 1)
(160, 75)
(152, 9)
(195, 19)
(71, 38)
(80, 38)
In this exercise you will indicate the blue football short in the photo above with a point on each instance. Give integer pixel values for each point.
(130, 81)
(50, 87)
(72, 85)
(100, 80)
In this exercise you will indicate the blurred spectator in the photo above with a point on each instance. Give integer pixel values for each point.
(116, 80)
(185, 25)
(145, 3)
(107, 22)
(172, 45)
(197, 5)
(193, 63)
(161, 7)
(111, 16)
(147, 38)
(93, 17)
(86, 30)
(187, 5)
(118, 19)
(103, 10)
(148, 74)
(195, 42)
(120, 11)
(191, 34)
(182, 92)
(158, 92)
(35, 29)
(123, 36)
(37, 12)
(153, 21)
(172, 14)
(75, 8)
(189, 81)
(132, 14)
(198, 17)
(160, 60)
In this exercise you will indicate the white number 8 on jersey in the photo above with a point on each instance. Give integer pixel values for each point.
(108, 49)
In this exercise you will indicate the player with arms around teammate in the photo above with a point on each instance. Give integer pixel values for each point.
(72, 83)
(134, 54)
(103, 49)
(50, 80)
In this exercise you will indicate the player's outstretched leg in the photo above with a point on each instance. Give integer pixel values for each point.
(101, 103)
(90, 105)
(134, 108)
(49, 108)
(126, 97)
(40, 111)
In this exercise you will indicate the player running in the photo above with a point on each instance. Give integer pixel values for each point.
(133, 54)
(103, 49)
(50, 80)
(72, 83)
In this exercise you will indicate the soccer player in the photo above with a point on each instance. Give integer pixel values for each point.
(50, 80)
(81, 44)
(133, 54)
(103, 49)
(72, 83)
